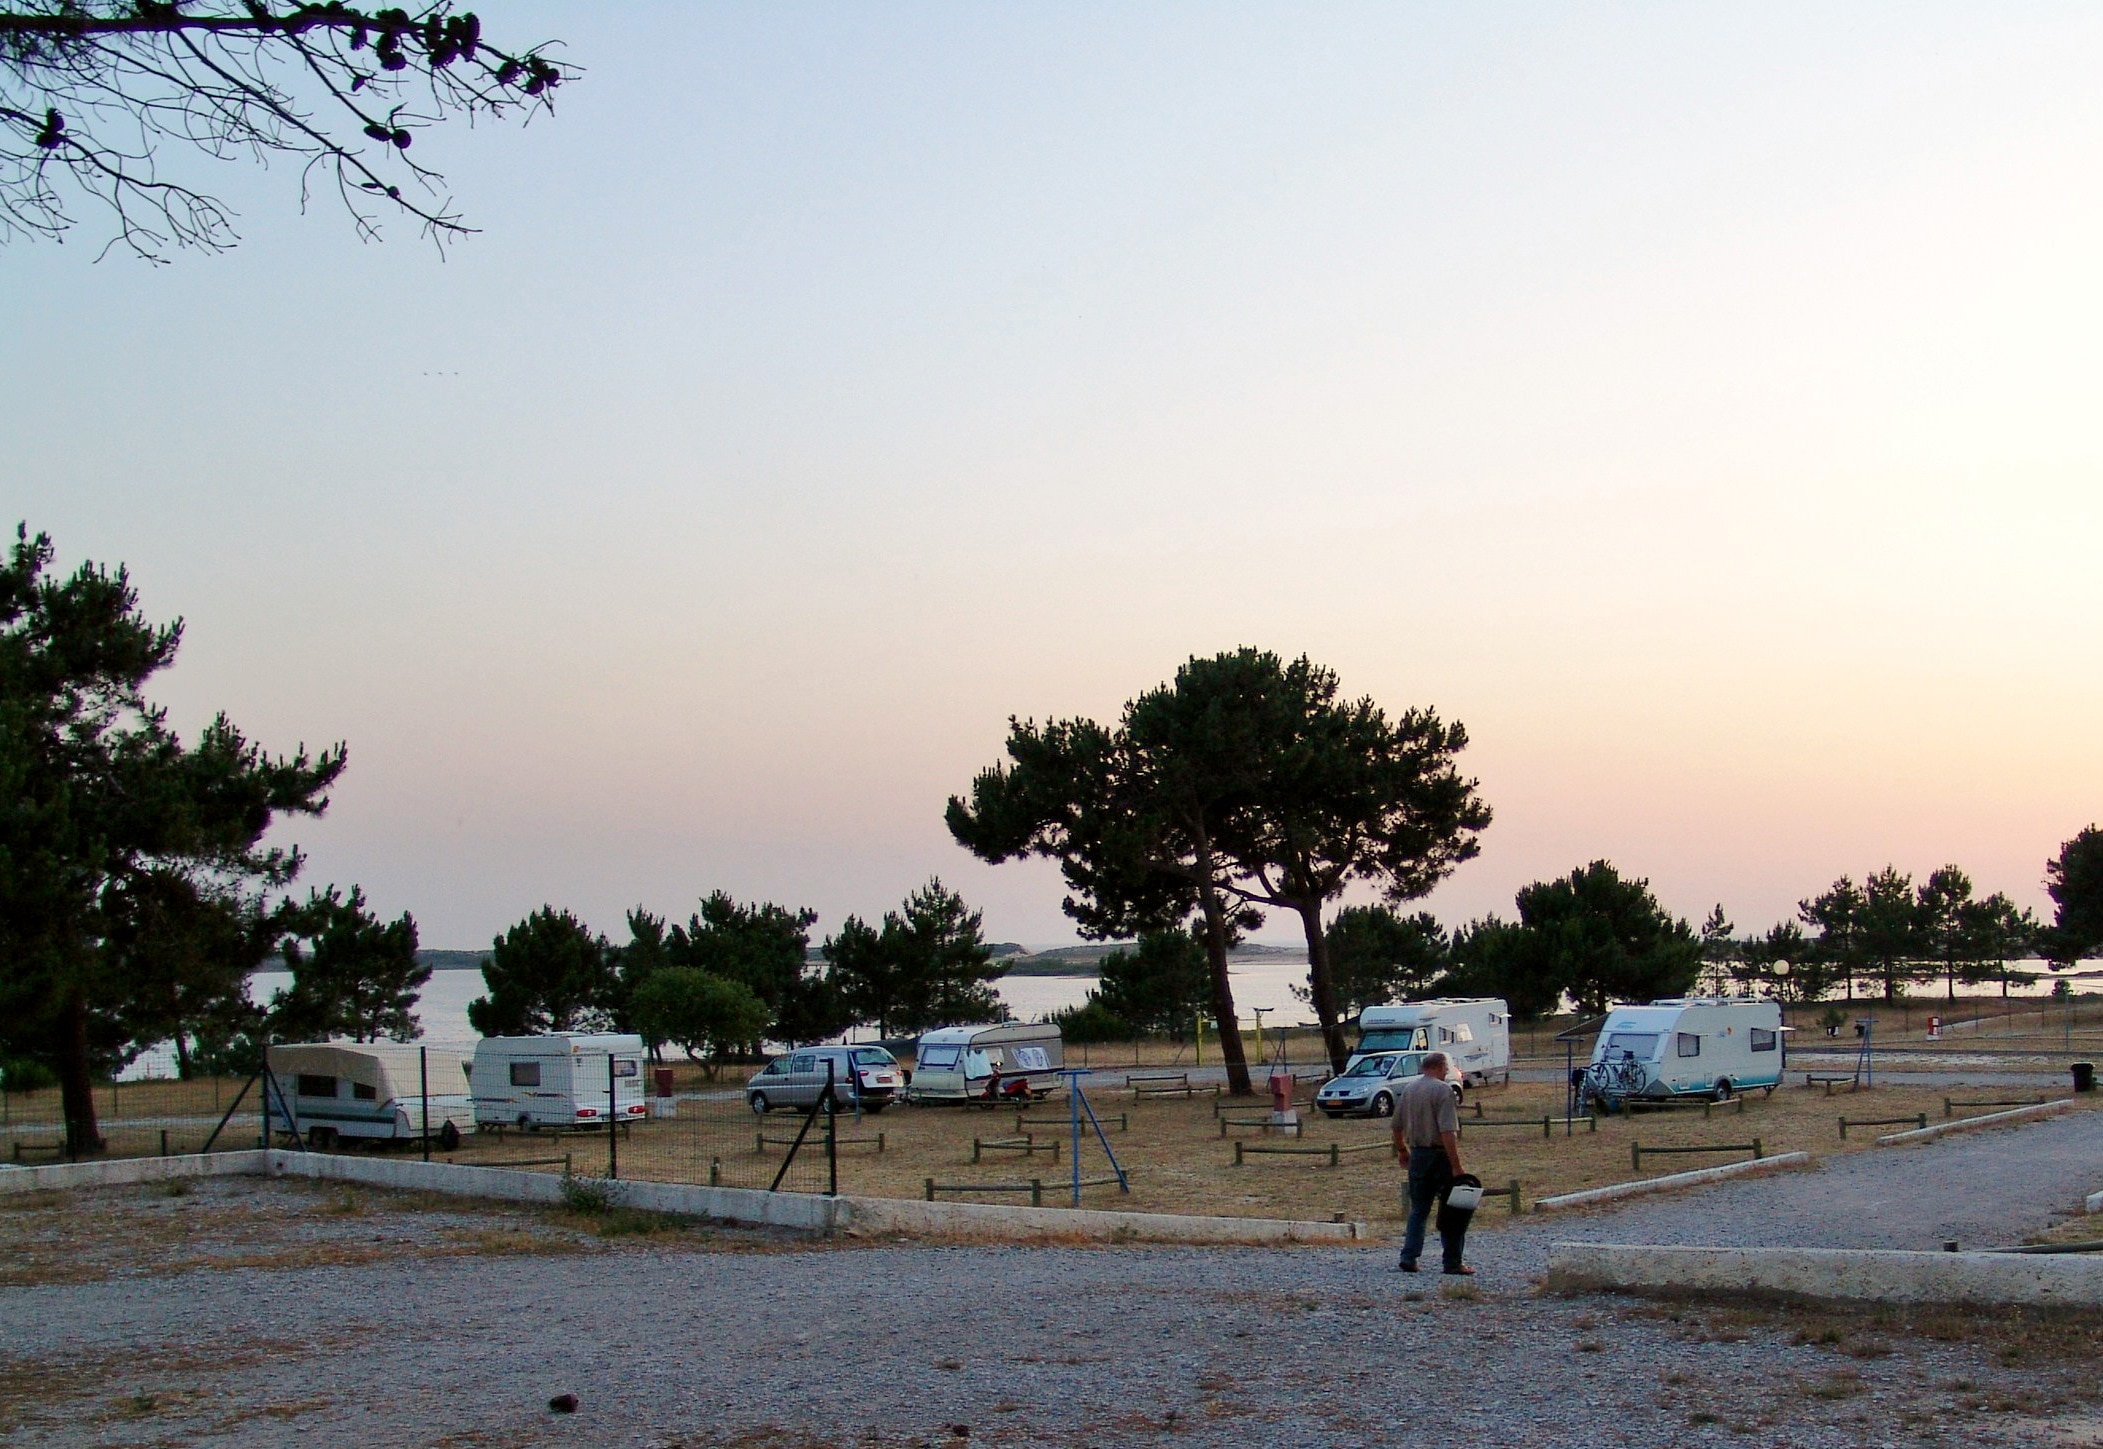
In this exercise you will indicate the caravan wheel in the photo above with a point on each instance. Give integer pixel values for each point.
(449, 1137)
(1723, 1089)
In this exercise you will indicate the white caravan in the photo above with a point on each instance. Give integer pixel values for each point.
(1685, 1046)
(955, 1063)
(568, 1079)
(347, 1091)
(1474, 1032)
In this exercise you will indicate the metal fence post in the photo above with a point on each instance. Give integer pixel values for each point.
(613, 1123)
(832, 1133)
(423, 1086)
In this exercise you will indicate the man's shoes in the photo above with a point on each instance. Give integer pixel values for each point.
(1405, 1267)
(1463, 1271)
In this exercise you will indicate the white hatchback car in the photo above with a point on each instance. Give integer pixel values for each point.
(1369, 1088)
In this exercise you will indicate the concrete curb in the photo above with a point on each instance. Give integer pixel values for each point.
(1003, 1222)
(2045, 1280)
(127, 1171)
(1781, 1162)
(801, 1212)
(1972, 1124)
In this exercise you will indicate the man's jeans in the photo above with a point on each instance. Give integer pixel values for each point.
(1429, 1177)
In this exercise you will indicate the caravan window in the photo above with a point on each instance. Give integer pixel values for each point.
(364, 1093)
(1638, 1044)
(1032, 1059)
(1689, 1044)
(625, 1066)
(1762, 1041)
(313, 1086)
(938, 1058)
(525, 1074)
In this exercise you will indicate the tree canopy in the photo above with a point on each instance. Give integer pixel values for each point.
(1378, 955)
(928, 966)
(548, 973)
(706, 1016)
(109, 821)
(2074, 881)
(120, 103)
(359, 977)
(1159, 986)
(1606, 938)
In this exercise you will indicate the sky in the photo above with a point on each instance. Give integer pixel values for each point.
(1698, 402)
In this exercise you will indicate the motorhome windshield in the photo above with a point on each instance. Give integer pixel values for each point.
(1642, 1045)
(1391, 1039)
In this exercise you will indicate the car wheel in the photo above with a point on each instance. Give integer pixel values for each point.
(1383, 1105)
(758, 1101)
(1723, 1089)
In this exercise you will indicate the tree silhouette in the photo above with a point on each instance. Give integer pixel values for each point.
(95, 95)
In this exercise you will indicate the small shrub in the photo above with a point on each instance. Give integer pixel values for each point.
(20, 1074)
(176, 1187)
(588, 1196)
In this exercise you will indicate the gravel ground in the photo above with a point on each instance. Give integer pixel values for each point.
(384, 1322)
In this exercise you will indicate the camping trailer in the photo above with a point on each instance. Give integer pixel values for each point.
(567, 1079)
(1685, 1046)
(346, 1091)
(1473, 1031)
(955, 1063)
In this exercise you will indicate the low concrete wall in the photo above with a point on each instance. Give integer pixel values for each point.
(803, 1212)
(999, 1221)
(1973, 1124)
(126, 1171)
(2053, 1280)
(1781, 1162)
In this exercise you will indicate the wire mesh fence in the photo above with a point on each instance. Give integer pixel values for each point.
(158, 1117)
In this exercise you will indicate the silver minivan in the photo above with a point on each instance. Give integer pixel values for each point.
(867, 1076)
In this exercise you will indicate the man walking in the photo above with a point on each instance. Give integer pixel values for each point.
(1427, 1143)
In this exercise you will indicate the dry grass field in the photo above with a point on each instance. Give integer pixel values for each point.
(1180, 1162)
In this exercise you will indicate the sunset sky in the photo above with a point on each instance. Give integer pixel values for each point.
(1704, 404)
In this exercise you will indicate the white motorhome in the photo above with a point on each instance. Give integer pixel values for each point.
(1473, 1031)
(568, 1079)
(345, 1091)
(1685, 1046)
(956, 1063)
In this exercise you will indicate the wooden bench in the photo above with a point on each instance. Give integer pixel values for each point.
(1852, 1080)
(1221, 1102)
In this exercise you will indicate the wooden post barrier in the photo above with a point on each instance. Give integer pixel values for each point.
(1510, 1194)
(1298, 1129)
(761, 1141)
(1034, 1187)
(1026, 1144)
(1636, 1150)
(1815, 1079)
(1164, 1084)
(1221, 1102)
(1918, 1119)
(1685, 1104)
(1950, 1105)
(1547, 1124)
(1122, 1121)
(1334, 1151)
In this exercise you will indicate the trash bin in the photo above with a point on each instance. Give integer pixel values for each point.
(2084, 1076)
(665, 1105)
